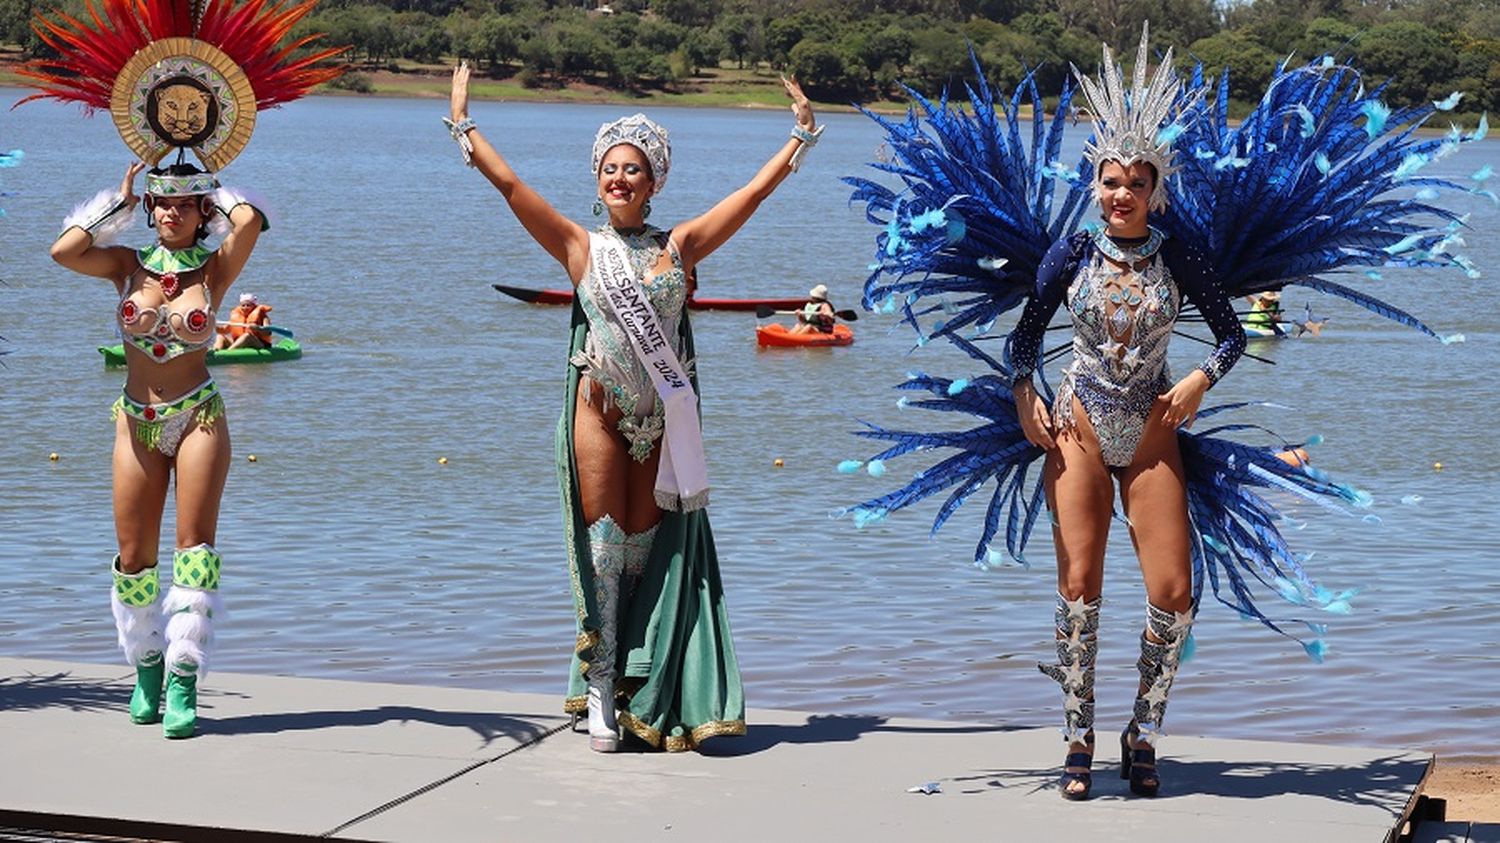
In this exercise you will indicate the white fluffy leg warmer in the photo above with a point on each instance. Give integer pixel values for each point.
(190, 632)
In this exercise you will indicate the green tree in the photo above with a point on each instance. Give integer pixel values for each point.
(703, 48)
(659, 36)
(636, 64)
(939, 56)
(870, 51)
(420, 36)
(742, 36)
(15, 22)
(1408, 55)
(696, 13)
(1248, 63)
(581, 49)
(821, 69)
(1325, 37)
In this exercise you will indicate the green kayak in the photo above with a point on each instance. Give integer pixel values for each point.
(285, 348)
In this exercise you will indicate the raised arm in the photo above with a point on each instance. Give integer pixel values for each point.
(698, 238)
(83, 245)
(246, 222)
(566, 241)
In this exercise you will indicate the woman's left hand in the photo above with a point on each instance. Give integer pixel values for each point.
(458, 95)
(1183, 398)
(800, 106)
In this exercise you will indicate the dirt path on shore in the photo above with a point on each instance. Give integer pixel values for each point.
(1472, 790)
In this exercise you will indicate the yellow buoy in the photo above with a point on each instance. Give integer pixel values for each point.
(251, 458)
(53, 456)
(1437, 466)
(778, 463)
(442, 460)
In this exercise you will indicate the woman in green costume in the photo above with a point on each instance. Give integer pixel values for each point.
(176, 76)
(653, 652)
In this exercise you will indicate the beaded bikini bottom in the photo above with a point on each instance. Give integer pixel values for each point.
(161, 426)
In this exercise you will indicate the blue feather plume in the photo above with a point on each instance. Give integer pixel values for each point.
(1311, 183)
(1010, 202)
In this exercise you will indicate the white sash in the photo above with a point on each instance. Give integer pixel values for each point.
(682, 474)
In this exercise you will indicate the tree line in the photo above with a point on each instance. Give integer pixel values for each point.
(861, 50)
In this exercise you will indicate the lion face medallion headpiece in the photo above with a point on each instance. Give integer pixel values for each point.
(180, 75)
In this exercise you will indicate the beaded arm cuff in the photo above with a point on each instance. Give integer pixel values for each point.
(460, 133)
(809, 140)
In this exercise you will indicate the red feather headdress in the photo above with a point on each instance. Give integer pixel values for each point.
(180, 73)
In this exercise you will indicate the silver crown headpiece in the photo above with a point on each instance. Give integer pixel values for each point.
(644, 134)
(1129, 126)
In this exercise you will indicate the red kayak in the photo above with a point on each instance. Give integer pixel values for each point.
(697, 303)
(777, 335)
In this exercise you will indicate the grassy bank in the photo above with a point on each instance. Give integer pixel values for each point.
(723, 87)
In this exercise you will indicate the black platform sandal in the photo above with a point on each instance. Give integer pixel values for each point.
(1138, 765)
(1078, 769)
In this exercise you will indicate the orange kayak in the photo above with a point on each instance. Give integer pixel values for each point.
(778, 336)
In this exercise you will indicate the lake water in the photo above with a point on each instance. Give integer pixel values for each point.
(352, 553)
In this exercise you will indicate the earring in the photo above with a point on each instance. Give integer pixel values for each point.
(646, 209)
(598, 206)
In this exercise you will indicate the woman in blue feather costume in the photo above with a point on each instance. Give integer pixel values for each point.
(1303, 187)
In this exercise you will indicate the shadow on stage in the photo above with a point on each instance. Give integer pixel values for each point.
(1380, 782)
(829, 728)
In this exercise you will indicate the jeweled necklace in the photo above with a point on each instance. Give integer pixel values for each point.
(1129, 255)
(166, 264)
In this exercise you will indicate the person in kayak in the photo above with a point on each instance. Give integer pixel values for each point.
(815, 316)
(195, 85)
(1266, 315)
(1265, 312)
(241, 330)
(653, 651)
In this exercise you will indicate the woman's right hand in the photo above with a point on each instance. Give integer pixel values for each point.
(127, 186)
(1036, 422)
(458, 99)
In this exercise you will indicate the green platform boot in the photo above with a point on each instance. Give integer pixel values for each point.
(136, 603)
(190, 607)
(181, 720)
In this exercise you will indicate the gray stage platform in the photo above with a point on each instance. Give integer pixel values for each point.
(362, 761)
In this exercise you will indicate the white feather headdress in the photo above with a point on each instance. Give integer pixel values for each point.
(1130, 126)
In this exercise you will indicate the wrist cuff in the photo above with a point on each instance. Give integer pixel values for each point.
(460, 132)
(808, 141)
(105, 217)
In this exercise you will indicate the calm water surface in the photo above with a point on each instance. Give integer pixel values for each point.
(352, 553)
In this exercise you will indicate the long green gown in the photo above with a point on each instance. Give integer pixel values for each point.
(679, 681)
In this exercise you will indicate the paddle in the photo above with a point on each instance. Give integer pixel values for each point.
(765, 310)
(272, 328)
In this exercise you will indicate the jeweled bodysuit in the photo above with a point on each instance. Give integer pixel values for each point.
(607, 358)
(1122, 322)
